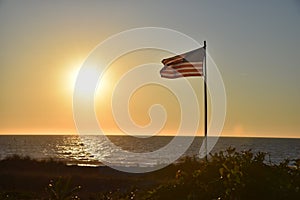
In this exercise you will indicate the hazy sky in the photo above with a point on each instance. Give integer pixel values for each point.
(254, 43)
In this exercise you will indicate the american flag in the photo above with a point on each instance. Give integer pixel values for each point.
(184, 65)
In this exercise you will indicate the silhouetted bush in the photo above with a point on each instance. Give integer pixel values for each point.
(61, 189)
(233, 175)
(228, 175)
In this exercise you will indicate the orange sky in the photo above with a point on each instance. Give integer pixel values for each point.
(43, 45)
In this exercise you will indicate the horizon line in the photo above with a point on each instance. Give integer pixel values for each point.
(140, 136)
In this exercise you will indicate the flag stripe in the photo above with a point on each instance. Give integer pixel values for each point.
(179, 75)
(182, 71)
(198, 65)
(168, 61)
(180, 68)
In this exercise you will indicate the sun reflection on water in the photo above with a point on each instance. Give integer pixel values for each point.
(73, 149)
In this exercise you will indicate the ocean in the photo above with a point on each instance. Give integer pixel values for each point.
(76, 150)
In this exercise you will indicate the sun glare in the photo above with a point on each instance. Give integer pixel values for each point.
(87, 79)
(72, 77)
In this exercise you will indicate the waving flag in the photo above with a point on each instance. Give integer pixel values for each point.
(184, 65)
(192, 63)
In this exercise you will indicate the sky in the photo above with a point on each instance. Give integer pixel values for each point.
(255, 45)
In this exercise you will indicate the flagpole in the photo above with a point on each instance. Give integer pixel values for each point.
(205, 101)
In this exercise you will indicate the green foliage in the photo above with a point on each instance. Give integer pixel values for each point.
(227, 175)
(61, 190)
(233, 175)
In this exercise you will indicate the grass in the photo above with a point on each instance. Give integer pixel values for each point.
(226, 175)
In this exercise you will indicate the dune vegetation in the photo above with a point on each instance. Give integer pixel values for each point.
(225, 175)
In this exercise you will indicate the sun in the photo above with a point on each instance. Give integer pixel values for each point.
(85, 79)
